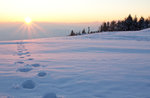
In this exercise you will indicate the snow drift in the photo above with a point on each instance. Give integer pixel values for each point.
(104, 65)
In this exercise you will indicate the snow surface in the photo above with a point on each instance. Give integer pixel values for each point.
(105, 65)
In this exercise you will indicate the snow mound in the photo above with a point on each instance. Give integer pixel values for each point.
(28, 84)
(50, 95)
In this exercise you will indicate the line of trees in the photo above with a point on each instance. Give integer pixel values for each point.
(128, 24)
(83, 32)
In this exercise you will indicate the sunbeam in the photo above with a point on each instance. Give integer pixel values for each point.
(30, 30)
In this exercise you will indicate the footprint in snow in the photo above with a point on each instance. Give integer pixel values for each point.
(42, 74)
(20, 54)
(30, 59)
(24, 69)
(50, 95)
(35, 65)
(19, 62)
(28, 84)
(26, 52)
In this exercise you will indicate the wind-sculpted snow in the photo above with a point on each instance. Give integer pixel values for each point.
(105, 65)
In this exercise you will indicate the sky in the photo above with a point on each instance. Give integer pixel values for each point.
(71, 11)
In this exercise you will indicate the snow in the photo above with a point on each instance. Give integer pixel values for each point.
(24, 69)
(35, 65)
(50, 95)
(104, 65)
(42, 74)
(28, 84)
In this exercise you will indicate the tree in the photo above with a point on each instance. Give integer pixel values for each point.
(135, 23)
(83, 31)
(88, 30)
(141, 23)
(119, 26)
(129, 23)
(146, 23)
(108, 26)
(72, 33)
(104, 27)
(113, 25)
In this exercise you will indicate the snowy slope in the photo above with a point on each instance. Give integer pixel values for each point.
(106, 65)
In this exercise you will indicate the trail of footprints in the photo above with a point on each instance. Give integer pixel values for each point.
(24, 54)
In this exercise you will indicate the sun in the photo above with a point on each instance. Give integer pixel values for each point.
(28, 20)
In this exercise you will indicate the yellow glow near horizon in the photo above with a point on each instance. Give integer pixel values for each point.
(28, 20)
(71, 10)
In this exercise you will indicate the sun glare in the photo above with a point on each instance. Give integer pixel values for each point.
(28, 20)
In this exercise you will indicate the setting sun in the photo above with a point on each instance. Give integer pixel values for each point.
(28, 20)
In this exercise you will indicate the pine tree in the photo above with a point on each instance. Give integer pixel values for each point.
(83, 31)
(104, 27)
(129, 23)
(113, 26)
(108, 26)
(146, 23)
(72, 33)
(88, 30)
(119, 26)
(141, 23)
(135, 23)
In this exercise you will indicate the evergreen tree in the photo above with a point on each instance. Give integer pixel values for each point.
(146, 23)
(141, 23)
(72, 33)
(135, 23)
(119, 26)
(108, 26)
(104, 27)
(83, 31)
(129, 23)
(113, 26)
(88, 30)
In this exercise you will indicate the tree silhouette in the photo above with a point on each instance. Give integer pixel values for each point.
(83, 31)
(72, 33)
(128, 24)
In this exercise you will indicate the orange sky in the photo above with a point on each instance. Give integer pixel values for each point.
(71, 10)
